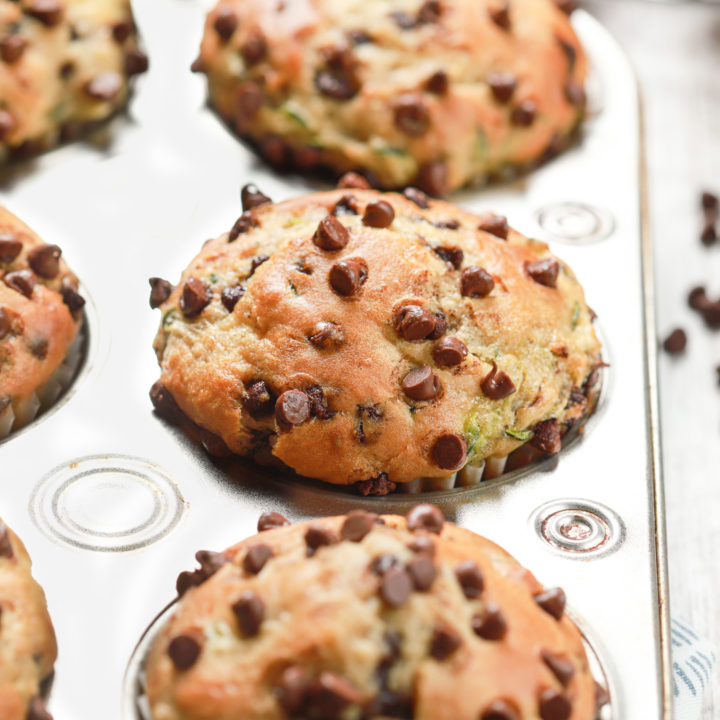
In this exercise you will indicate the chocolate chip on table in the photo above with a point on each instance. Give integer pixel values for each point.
(495, 225)
(708, 236)
(697, 299)
(501, 16)
(231, 295)
(450, 254)
(547, 437)
(196, 296)
(396, 587)
(347, 277)
(252, 197)
(523, 114)
(6, 549)
(23, 281)
(709, 202)
(449, 451)
(422, 572)
(476, 282)
(48, 12)
(292, 688)
(135, 62)
(552, 601)
(560, 666)
(444, 643)
(423, 545)
(357, 525)
(160, 291)
(256, 557)
(470, 578)
(426, 517)
(317, 536)
(37, 710)
(413, 322)
(433, 179)
(271, 520)
(331, 234)
(226, 23)
(104, 87)
(502, 85)
(675, 342)
(254, 49)
(575, 94)
(449, 352)
(490, 624)
(346, 205)
(353, 181)
(379, 214)
(497, 384)
(10, 248)
(249, 610)
(12, 48)
(7, 124)
(330, 695)
(438, 83)
(500, 710)
(292, 408)
(242, 225)
(379, 485)
(184, 650)
(544, 272)
(411, 116)
(554, 705)
(417, 196)
(326, 335)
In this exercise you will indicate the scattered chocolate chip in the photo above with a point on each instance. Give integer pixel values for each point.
(421, 383)
(347, 277)
(164, 403)
(346, 205)
(242, 225)
(575, 94)
(413, 322)
(226, 23)
(252, 197)
(495, 225)
(326, 335)
(396, 587)
(249, 610)
(104, 87)
(417, 196)
(471, 580)
(37, 710)
(12, 48)
(675, 342)
(554, 705)
(48, 12)
(708, 236)
(210, 563)
(45, 260)
(450, 254)
(292, 689)
(10, 248)
(449, 451)
(5, 326)
(257, 261)
(379, 214)
(357, 525)
(709, 202)
(135, 62)
(547, 437)
(317, 536)
(411, 115)
(258, 399)
(500, 710)
(271, 520)
(7, 124)
(122, 30)
(231, 295)
(6, 549)
(23, 281)
(444, 643)
(196, 296)
(330, 695)
(476, 282)
(501, 16)
(292, 408)
(378, 486)
(552, 601)
(560, 666)
(353, 181)
(184, 651)
(544, 272)
(711, 315)
(422, 572)
(160, 291)
(438, 83)
(490, 623)
(497, 384)
(502, 85)
(318, 403)
(423, 545)
(449, 352)
(256, 557)
(523, 115)
(426, 517)
(338, 80)
(254, 49)
(331, 234)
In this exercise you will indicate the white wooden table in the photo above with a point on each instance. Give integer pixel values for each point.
(676, 51)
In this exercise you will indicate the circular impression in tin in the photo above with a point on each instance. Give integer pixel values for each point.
(107, 503)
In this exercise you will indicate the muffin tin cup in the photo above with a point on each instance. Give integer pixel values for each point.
(112, 502)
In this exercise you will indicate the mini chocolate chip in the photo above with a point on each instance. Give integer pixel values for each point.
(413, 322)
(71, 297)
(490, 623)
(254, 49)
(546, 437)
(383, 563)
(417, 196)
(331, 234)
(210, 563)
(10, 248)
(552, 601)
(160, 291)
(421, 383)
(348, 276)
(338, 80)
(135, 62)
(330, 695)
(711, 314)
(502, 85)
(357, 525)
(48, 12)
(226, 23)
(346, 205)
(7, 124)
(249, 610)
(318, 403)
(317, 536)
(45, 260)
(257, 261)
(379, 214)
(11, 48)
(396, 587)
(258, 399)
(423, 545)
(104, 87)
(675, 342)
(23, 281)
(242, 225)
(353, 181)
(500, 710)
(709, 201)
(164, 403)
(231, 295)
(471, 580)
(292, 408)
(560, 666)
(252, 197)
(122, 30)
(575, 94)
(708, 236)
(37, 710)
(379, 485)
(497, 384)
(184, 651)
(449, 352)
(6, 549)
(411, 115)
(196, 296)
(426, 517)
(449, 451)
(292, 689)
(422, 572)
(476, 282)
(495, 225)
(523, 114)
(438, 83)
(256, 557)
(451, 254)
(501, 16)
(554, 705)
(544, 272)
(5, 326)
(326, 335)
(444, 643)
(271, 520)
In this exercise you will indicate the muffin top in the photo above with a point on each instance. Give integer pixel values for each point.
(27, 639)
(437, 93)
(369, 617)
(354, 334)
(63, 64)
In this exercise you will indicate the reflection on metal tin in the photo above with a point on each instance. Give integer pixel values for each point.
(107, 503)
(575, 222)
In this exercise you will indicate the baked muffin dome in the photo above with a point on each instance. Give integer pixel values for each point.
(40, 316)
(27, 639)
(361, 337)
(436, 93)
(64, 65)
(367, 617)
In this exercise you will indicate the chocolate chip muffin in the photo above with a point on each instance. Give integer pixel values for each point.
(370, 338)
(27, 639)
(65, 65)
(369, 617)
(40, 323)
(436, 93)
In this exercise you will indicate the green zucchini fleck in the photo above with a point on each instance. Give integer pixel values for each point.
(575, 315)
(169, 318)
(521, 435)
(292, 287)
(294, 115)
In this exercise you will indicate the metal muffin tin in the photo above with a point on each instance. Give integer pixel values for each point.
(112, 502)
